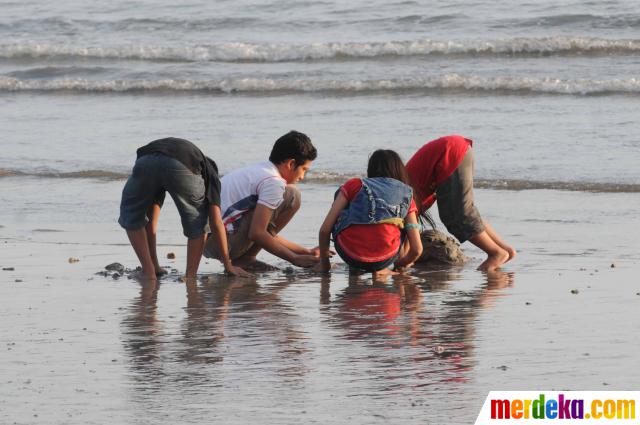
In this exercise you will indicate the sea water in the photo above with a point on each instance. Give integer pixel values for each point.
(548, 92)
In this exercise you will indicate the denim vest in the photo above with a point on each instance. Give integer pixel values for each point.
(380, 200)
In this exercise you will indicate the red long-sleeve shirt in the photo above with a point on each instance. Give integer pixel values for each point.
(433, 164)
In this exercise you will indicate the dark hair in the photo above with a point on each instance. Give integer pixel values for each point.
(293, 145)
(387, 163)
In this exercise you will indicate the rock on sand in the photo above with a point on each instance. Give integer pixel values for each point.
(442, 248)
(115, 267)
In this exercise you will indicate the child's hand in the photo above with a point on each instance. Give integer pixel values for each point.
(316, 252)
(402, 269)
(322, 268)
(237, 271)
(302, 260)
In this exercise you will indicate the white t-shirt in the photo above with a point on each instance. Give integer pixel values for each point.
(244, 188)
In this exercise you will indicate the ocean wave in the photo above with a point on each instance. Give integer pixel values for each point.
(81, 174)
(504, 184)
(58, 23)
(251, 52)
(55, 24)
(450, 83)
(333, 178)
(574, 186)
(623, 21)
(58, 71)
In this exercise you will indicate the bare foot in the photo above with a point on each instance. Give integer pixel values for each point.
(253, 264)
(383, 273)
(494, 261)
(160, 271)
(512, 253)
(143, 277)
(191, 280)
(261, 266)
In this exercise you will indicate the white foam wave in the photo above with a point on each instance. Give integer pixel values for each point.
(448, 83)
(238, 52)
(335, 178)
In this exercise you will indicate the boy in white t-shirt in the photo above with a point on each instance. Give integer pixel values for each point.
(259, 200)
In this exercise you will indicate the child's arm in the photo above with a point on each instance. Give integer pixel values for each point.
(259, 234)
(219, 234)
(294, 247)
(324, 235)
(415, 243)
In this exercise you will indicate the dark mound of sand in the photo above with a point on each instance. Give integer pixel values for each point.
(442, 248)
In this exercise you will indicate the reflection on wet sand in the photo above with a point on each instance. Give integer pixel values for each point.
(399, 335)
(141, 329)
(225, 308)
(420, 315)
(223, 316)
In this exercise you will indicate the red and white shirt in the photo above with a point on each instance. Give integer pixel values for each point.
(244, 188)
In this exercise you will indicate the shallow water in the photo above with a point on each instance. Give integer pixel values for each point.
(569, 141)
(293, 346)
(548, 92)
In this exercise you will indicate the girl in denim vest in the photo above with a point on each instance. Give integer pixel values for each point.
(373, 220)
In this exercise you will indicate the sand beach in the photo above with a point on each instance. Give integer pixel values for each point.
(293, 346)
(548, 91)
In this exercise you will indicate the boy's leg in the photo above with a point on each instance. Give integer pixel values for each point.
(249, 257)
(138, 239)
(282, 215)
(461, 217)
(195, 247)
(498, 240)
(287, 209)
(496, 256)
(188, 192)
(153, 214)
(237, 242)
(138, 195)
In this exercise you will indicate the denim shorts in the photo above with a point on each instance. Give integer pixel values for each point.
(152, 176)
(367, 267)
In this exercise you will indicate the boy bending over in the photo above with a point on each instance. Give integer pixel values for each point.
(442, 171)
(176, 166)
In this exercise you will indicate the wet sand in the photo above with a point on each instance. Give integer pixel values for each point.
(294, 347)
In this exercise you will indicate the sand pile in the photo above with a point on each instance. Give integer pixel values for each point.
(440, 247)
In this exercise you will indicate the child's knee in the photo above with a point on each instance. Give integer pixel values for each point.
(292, 199)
